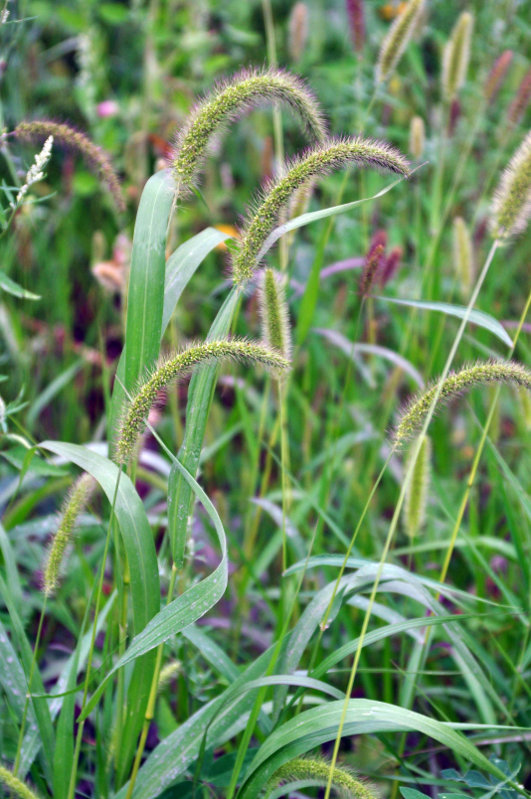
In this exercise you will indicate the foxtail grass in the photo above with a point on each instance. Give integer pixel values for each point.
(497, 75)
(414, 513)
(72, 139)
(417, 138)
(229, 101)
(463, 256)
(16, 787)
(301, 171)
(356, 21)
(179, 365)
(345, 784)
(511, 205)
(397, 39)
(456, 56)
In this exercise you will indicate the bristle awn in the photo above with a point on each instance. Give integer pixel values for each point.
(414, 511)
(511, 204)
(301, 171)
(228, 102)
(463, 256)
(72, 139)
(74, 504)
(397, 39)
(455, 384)
(178, 365)
(456, 56)
(345, 784)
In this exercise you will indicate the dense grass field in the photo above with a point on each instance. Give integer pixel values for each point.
(265, 409)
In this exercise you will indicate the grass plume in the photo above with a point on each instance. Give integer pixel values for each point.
(72, 139)
(397, 39)
(479, 374)
(178, 365)
(274, 313)
(512, 199)
(463, 255)
(417, 138)
(456, 56)
(74, 504)
(230, 100)
(356, 20)
(317, 162)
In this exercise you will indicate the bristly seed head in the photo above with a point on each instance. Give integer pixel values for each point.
(463, 256)
(229, 101)
(15, 786)
(456, 56)
(317, 162)
(414, 414)
(72, 139)
(178, 365)
(414, 512)
(397, 39)
(511, 204)
(74, 504)
(344, 782)
(417, 138)
(274, 313)
(521, 99)
(497, 75)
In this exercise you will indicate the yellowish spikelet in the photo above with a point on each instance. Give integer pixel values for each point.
(344, 782)
(414, 512)
(463, 256)
(456, 56)
(511, 204)
(274, 313)
(417, 138)
(397, 39)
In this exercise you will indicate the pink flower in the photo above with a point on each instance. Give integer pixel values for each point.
(108, 108)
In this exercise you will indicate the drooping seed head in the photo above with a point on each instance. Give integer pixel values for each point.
(74, 504)
(416, 499)
(417, 138)
(72, 139)
(178, 365)
(274, 313)
(298, 30)
(463, 256)
(397, 39)
(456, 56)
(521, 99)
(511, 204)
(479, 374)
(497, 75)
(317, 162)
(344, 782)
(228, 102)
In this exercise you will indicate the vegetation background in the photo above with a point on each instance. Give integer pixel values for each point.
(128, 74)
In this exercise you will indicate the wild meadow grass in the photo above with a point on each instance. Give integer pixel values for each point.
(265, 400)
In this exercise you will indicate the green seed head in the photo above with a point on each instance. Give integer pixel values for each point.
(344, 782)
(463, 256)
(75, 503)
(397, 39)
(177, 366)
(274, 313)
(456, 56)
(414, 414)
(229, 101)
(72, 139)
(418, 487)
(417, 138)
(511, 204)
(301, 172)
(15, 786)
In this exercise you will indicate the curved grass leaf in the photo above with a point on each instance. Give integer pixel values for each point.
(8, 285)
(314, 727)
(479, 318)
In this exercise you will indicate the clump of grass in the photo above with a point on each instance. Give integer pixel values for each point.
(344, 782)
(74, 504)
(456, 56)
(229, 101)
(397, 39)
(511, 205)
(301, 171)
(72, 139)
(178, 365)
(417, 137)
(479, 374)
(463, 255)
(414, 512)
